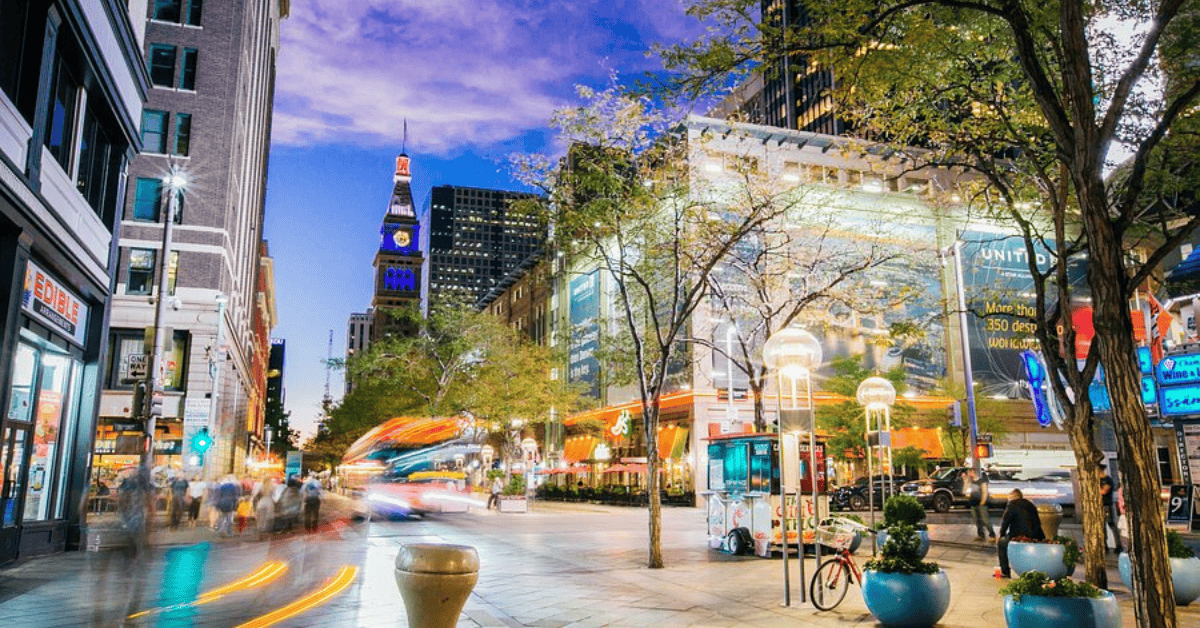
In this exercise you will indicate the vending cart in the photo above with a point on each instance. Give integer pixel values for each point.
(744, 507)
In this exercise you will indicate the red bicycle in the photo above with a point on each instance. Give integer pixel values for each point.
(831, 579)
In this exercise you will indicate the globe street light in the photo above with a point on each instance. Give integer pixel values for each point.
(877, 395)
(794, 353)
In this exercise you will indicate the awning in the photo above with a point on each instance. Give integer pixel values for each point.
(672, 441)
(928, 440)
(579, 448)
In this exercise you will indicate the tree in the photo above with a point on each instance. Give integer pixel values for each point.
(846, 422)
(623, 201)
(285, 438)
(1052, 74)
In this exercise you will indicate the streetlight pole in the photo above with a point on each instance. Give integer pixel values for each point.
(174, 185)
(965, 339)
(218, 362)
(877, 395)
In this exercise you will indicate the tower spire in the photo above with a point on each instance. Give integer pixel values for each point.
(404, 142)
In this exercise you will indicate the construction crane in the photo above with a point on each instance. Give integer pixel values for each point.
(328, 401)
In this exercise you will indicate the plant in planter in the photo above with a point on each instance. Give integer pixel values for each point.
(904, 510)
(1036, 600)
(1185, 569)
(1054, 557)
(900, 589)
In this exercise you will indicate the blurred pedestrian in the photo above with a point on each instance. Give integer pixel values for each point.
(264, 507)
(195, 497)
(134, 499)
(977, 498)
(287, 508)
(1109, 509)
(1020, 520)
(497, 487)
(227, 494)
(179, 487)
(312, 503)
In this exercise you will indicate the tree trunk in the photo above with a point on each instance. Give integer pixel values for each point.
(757, 388)
(655, 560)
(1087, 500)
(1153, 593)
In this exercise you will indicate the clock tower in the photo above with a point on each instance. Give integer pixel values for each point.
(398, 261)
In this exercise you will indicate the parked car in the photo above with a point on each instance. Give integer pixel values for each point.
(1039, 486)
(854, 496)
(941, 490)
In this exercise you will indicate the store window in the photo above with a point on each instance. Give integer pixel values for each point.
(183, 134)
(146, 199)
(141, 272)
(60, 124)
(129, 359)
(154, 131)
(51, 441)
(187, 74)
(162, 65)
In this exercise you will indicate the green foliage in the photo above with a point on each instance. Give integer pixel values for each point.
(1039, 584)
(900, 553)
(494, 473)
(515, 486)
(903, 510)
(845, 422)
(1176, 548)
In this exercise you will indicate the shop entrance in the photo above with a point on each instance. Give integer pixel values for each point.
(36, 441)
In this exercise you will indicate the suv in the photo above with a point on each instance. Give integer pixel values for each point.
(855, 497)
(940, 491)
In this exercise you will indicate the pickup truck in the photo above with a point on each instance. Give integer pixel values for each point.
(944, 489)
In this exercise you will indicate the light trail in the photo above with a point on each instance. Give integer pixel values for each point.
(266, 573)
(332, 587)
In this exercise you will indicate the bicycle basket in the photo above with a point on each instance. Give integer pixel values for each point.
(836, 533)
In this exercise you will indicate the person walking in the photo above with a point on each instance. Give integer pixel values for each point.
(179, 487)
(1109, 509)
(497, 487)
(1020, 520)
(287, 507)
(226, 502)
(196, 497)
(264, 507)
(312, 503)
(977, 498)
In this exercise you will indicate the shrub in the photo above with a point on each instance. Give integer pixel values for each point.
(899, 554)
(1038, 583)
(516, 485)
(1176, 548)
(903, 510)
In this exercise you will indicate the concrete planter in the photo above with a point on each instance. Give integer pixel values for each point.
(511, 503)
(435, 580)
(1044, 557)
(1036, 611)
(882, 536)
(906, 600)
(1185, 575)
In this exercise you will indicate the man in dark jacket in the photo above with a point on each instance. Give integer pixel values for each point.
(1020, 520)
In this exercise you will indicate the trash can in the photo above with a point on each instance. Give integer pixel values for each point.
(1050, 516)
(434, 580)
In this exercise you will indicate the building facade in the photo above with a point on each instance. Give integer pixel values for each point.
(358, 339)
(398, 261)
(473, 242)
(211, 69)
(72, 85)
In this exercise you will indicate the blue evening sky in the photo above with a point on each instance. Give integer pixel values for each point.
(476, 80)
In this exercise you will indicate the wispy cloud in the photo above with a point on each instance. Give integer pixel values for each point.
(463, 72)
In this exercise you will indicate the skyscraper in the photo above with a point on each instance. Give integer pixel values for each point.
(358, 339)
(398, 261)
(474, 241)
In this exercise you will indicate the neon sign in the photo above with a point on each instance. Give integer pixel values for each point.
(1179, 400)
(1179, 369)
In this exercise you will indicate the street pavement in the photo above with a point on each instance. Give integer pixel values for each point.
(560, 565)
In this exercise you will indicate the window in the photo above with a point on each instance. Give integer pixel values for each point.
(167, 10)
(141, 272)
(193, 12)
(187, 75)
(128, 363)
(154, 131)
(183, 133)
(162, 65)
(96, 153)
(172, 272)
(60, 124)
(147, 198)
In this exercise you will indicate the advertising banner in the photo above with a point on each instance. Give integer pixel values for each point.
(48, 301)
(585, 332)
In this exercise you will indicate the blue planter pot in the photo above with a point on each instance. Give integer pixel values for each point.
(881, 538)
(1044, 557)
(1185, 575)
(1035, 611)
(906, 600)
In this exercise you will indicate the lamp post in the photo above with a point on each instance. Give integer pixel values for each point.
(877, 395)
(217, 361)
(956, 251)
(174, 185)
(794, 353)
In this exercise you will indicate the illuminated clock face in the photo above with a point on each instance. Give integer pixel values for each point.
(402, 238)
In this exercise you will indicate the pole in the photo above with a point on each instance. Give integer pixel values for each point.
(799, 501)
(891, 485)
(870, 477)
(783, 481)
(214, 405)
(968, 376)
(729, 366)
(153, 380)
(812, 465)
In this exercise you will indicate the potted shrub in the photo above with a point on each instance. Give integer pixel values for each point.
(1037, 601)
(1185, 569)
(512, 498)
(900, 589)
(907, 511)
(1054, 557)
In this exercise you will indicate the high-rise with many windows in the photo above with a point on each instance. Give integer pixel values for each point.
(211, 69)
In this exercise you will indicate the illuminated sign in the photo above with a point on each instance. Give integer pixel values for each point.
(1179, 369)
(1149, 391)
(1144, 360)
(48, 301)
(1179, 400)
(1035, 373)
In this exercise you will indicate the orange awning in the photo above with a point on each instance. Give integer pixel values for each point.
(579, 448)
(929, 440)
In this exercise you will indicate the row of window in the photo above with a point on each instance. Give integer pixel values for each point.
(155, 125)
(143, 266)
(179, 11)
(162, 62)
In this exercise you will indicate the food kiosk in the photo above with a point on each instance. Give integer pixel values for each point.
(744, 508)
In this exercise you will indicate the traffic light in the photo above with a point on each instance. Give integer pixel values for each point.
(201, 441)
(156, 406)
(139, 400)
(983, 450)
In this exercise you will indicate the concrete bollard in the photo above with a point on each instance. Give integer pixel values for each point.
(1050, 516)
(435, 580)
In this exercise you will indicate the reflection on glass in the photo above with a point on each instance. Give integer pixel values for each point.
(14, 442)
(52, 393)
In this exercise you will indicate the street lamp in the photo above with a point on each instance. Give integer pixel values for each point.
(877, 395)
(174, 185)
(215, 364)
(794, 353)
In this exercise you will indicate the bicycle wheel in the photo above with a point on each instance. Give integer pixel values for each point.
(829, 584)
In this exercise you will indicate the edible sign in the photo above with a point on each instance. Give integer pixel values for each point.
(48, 301)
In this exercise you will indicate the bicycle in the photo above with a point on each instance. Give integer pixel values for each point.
(832, 578)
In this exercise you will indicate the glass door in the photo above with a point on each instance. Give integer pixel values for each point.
(18, 421)
(51, 437)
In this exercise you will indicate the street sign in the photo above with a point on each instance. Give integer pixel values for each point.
(294, 459)
(137, 366)
(195, 414)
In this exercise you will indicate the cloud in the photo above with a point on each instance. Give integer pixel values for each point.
(463, 72)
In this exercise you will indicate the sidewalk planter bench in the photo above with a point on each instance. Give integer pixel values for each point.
(1185, 575)
(882, 535)
(1036, 611)
(509, 503)
(1044, 557)
(900, 600)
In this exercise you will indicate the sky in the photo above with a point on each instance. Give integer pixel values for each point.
(477, 80)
